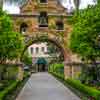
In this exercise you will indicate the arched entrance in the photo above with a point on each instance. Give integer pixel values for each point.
(64, 51)
(43, 38)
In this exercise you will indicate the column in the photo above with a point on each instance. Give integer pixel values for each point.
(20, 72)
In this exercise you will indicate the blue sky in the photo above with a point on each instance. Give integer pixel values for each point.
(15, 9)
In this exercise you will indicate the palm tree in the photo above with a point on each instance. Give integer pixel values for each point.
(77, 4)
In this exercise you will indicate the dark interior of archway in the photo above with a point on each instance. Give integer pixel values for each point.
(54, 50)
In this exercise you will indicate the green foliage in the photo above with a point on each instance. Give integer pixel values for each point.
(11, 43)
(57, 68)
(27, 59)
(8, 90)
(86, 27)
(8, 72)
(88, 91)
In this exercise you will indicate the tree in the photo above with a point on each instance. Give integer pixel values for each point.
(11, 43)
(85, 33)
(86, 27)
(98, 1)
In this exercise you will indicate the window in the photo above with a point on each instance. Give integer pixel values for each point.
(42, 49)
(31, 50)
(43, 1)
(23, 28)
(60, 25)
(43, 19)
(37, 50)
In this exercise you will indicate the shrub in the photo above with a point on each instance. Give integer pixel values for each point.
(57, 68)
(88, 91)
(8, 90)
(60, 76)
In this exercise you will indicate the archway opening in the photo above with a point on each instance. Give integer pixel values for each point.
(43, 53)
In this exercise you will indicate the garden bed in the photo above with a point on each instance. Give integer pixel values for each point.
(83, 91)
(9, 86)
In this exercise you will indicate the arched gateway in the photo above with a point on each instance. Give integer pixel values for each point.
(45, 20)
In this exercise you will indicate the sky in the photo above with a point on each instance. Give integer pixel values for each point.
(66, 3)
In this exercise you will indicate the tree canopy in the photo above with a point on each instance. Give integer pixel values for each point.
(86, 29)
(11, 43)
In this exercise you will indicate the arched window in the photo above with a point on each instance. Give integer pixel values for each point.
(43, 19)
(23, 28)
(60, 25)
(43, 49)
(43, 1)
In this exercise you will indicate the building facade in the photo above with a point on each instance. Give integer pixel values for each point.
(45, 20)
(38, 50)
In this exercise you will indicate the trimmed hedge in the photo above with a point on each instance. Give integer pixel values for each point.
(8, 90)
(89, 92)
(57, 68)
(60, 76)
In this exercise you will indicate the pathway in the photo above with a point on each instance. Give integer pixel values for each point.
(43, 86)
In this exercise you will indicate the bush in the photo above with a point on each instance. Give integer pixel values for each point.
(8, 71)
(8, 90)
(60, 76)
(85, 90)
(88, 91)
(57, 68)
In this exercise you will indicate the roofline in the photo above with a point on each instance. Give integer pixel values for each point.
(36, 15)
(28, 1)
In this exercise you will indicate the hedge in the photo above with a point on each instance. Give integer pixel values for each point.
(8, 90)
(89, 92)
(60, 76)
(57, 68)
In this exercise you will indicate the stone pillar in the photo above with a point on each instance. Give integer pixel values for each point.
(20, 72)
(73, 71)
(67, 71)
(67, 66)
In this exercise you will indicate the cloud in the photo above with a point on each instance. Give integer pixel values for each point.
(11, 8)
(84, 3)
(66, 3)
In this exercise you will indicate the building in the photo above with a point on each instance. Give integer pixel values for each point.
(46, 20)
(38, 50)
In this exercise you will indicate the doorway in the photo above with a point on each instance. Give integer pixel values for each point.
(42, 65)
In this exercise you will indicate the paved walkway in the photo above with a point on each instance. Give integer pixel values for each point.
(43, 86)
